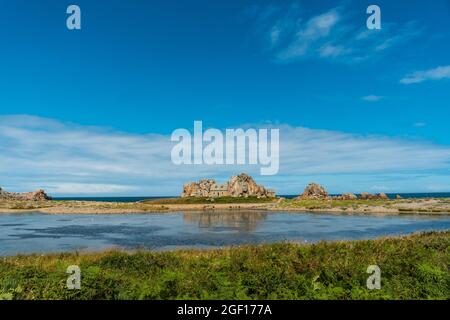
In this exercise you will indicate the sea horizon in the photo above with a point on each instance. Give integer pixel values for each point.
(406, 195)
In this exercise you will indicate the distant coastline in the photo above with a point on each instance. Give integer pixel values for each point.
(240, 192)
(426, 206)
(418, 195)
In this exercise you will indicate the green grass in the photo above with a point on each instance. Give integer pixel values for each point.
(439, 206)
(205, 200)
(23, 204)
(326, 204)
(414, 267)
(30, 205)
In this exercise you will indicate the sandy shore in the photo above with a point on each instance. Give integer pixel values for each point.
(374, 207)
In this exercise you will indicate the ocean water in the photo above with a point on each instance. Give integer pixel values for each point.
(43, 233)
(134, 199)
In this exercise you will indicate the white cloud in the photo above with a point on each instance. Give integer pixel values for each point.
(372, 98)
(377, 188)
(306, 37)
(71, 159)
(327, 35)
(439, 73)
(420, 124)
(87, 188)
(438, 187)
(319, 26)
(330, 152)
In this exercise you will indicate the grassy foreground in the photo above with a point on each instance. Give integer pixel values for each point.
(413, 267)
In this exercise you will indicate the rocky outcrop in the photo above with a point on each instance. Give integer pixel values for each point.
(370, 196)
(198, 189)
(348, 196)
(382, 196)
(314, 191)
(365, 196)
(362, 196)
(241, 185)
(38, 195)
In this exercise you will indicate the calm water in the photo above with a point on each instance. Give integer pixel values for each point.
(38, 233)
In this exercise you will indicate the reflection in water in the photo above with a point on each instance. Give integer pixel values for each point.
(37, 232)
(244, 221)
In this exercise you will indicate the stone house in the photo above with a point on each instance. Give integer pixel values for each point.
(219, 190)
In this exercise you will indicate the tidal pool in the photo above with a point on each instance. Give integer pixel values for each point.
(44, 233)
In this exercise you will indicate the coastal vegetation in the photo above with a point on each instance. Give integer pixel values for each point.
(412, 267)
(429, 206)
(396, 206)
(376, 205)
(241, 192)
(74, 206)
(208, 200)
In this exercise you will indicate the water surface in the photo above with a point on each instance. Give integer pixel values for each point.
(41, 233)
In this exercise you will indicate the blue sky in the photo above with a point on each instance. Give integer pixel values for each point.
(140, 69)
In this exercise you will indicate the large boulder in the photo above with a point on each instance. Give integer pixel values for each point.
(38, 195)
(366, 196)
(314, 191)
(348, 196)
(382, 196)
(198, 189)
(244, 186)
(370, 196)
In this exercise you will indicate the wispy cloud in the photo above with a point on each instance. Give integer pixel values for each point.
(69, 159)
(438, 187)
(306, 37)
(331, 35)
(372, 98)
(439, 73)
(377, 188)
(89, 188)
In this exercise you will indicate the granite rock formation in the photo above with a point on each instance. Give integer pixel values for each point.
(38, 195)
(348, 196)
(382, 196)
(314, 191)
(370, 196)
(241, 185)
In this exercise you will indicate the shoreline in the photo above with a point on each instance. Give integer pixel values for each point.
(208, 249)
(429, 206)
